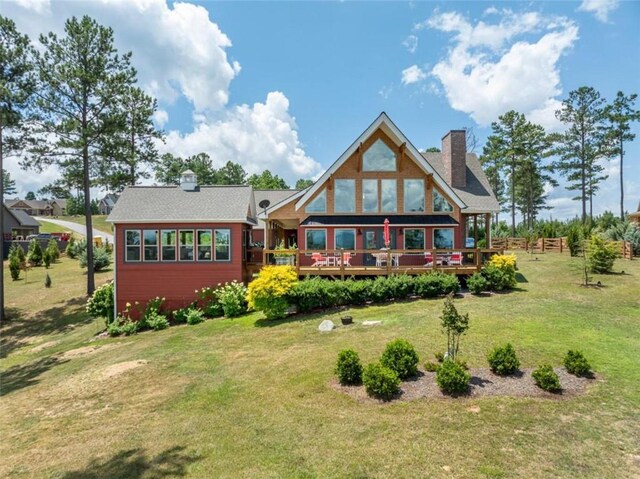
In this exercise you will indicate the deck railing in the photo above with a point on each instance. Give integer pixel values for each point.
(359, 262)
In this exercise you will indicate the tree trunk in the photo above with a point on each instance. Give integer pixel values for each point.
(513, 198)
(87, 204)
(621, 181)
(1, 229)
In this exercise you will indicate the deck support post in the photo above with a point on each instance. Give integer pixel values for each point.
(388, 262)
(487, 225)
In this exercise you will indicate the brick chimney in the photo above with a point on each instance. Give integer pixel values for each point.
(454, 158)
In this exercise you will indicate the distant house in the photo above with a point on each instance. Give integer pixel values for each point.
(59, 207)
(172, 240)
(107, 203)
(31, 207)
(18, 224)
(635, 217)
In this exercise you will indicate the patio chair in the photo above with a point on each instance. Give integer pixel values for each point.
(346, 259)
(455, 258)
(428, 259)
(318, 259)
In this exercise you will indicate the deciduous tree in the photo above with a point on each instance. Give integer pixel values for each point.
(267, 181)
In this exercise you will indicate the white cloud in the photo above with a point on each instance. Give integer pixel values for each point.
(491, 69)
(262, 136)
(160, 118)
(411, 43)
(385, 91)
(413, 74)
(37, 6)
(600, 8)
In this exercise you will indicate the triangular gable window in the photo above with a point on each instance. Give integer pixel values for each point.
(318, 204)
(379, 157)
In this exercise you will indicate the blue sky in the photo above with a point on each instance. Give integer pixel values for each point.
(288, 86)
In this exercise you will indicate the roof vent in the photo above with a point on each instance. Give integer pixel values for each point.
(188, 180)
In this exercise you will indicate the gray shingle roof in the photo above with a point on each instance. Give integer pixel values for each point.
(274, 197)
(172, 204)
(24, 219)
(477, 195)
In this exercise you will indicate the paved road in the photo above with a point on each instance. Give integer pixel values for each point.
(68, 225)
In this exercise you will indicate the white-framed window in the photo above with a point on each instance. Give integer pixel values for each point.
(222, 239)
(414, 238)
(345, 238)
(316, 239)
(169, 243)
(150, 238)
(379, 157)
(440, 203)
(443, 238)
(413, 195)
(369, 196)
(318, 204)
(389, 196)
(132, 245)
(204, 243)
(186, 245)
(344, 196)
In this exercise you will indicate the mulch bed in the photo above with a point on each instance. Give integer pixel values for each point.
(483, 383)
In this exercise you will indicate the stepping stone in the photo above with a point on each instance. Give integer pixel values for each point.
(371, 323)
(326, 325)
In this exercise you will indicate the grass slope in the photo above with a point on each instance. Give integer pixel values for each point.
(98, 221)
(246, 398)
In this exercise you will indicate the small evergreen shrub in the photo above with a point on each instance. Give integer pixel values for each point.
(208, 302)
(431, 366)
(54, 251)
(380, 381)
(601, 254)
(476, 283)
(577, 364)
(452, 378)
(269, 291)
(194, 316)
(233, 299)
(101, 259)
(46, 258)
(503, 360)
(401, 357)
(574, 240)
(47, 281)
(34, 255)
(381, 290)
(101, 303)
(14, 267)
(546, 378)
(71, 251)
(359, 291)
(348, 367)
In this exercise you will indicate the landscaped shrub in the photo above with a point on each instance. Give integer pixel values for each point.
(348, 367)
(380, 381)
(381, 290)
(100, 304)
(310, 294)
(46, 258)
(574, 240)
(454, 325)
(209, 302)
(34, 255)
(71, 248)
(101, 259)
(359, 291)
(503, 360)
(476, 283)
(431, 366)
(193, 316)
(401, 357)
(15, 264)
(269, 291)
(47, 281)
(546, 378)
(53, 249)
(435, 284)
(401, 286)
(577, 364)
(180, 315)
(498, 279)
(452, 377)
(233, 299)
(601, 254)
(76, 248)
(156, 321)
(123, 325)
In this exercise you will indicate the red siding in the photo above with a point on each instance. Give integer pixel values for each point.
(175, 281)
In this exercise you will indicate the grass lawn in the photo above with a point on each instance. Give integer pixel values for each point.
(245, 398)
(99, 222)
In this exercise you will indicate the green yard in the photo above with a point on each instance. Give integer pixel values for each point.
(245, 398)
(99, 222)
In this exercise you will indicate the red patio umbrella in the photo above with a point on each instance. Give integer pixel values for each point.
(387, 236)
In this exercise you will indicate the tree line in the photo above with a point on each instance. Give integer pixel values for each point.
(520, 158)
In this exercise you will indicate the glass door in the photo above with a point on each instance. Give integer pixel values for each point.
(374, 239)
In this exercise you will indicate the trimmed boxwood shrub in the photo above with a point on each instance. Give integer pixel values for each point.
(431, 285)
(401, 357)
(476, 283)
(503, 360)
(380, 381)
(452, 378)
(577, 364)
(348, 367)
(546, 378)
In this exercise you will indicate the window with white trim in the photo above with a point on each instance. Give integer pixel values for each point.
(204, 244)
(440, 203)
(132, 245)
(413, 195)
(222, 240)
(443, 238)
(316, 239)
(150, 238)
(168, 241)
(414, 238)
(345, 238)
(186, 245)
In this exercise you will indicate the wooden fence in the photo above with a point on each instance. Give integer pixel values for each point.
(554, 245)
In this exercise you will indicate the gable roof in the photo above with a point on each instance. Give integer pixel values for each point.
(109, 199)
(171, 204)
(62, 202)
(22, 217)
(385, 124)
(477, 194)
(33, 204)
(275, 197)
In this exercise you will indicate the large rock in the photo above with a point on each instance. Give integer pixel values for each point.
(326, 325)
(371, 323)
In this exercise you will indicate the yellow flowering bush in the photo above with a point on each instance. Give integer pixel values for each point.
(267, 293)
(500, 272)
(504, 260)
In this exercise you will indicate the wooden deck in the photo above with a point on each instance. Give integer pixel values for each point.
(357, 263)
